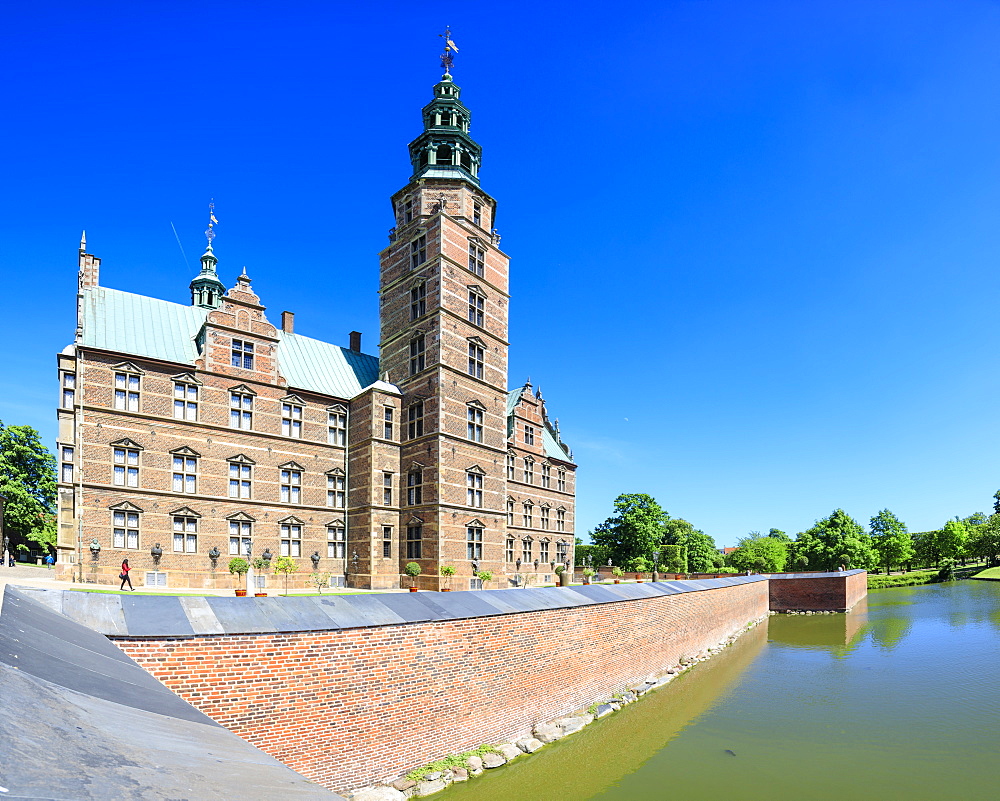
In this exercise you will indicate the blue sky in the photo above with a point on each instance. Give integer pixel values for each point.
(754, 245)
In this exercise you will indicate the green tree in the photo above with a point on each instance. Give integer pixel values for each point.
(28, 481)
(286, 566)
(635, 530)
(778, 534)
(836, 540)
(678, 531)
(952, 539)
(701, 552)
(671, 559)
(759, 554)
(984, 542)
(925, 544)
(891, 540)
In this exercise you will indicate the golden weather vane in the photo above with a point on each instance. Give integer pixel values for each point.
(449, 46)
(210, 234)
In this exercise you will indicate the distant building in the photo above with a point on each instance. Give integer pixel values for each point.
(206, 430)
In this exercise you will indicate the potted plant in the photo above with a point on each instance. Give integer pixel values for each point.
(485, 576)
(239, 566)
(588, 574)
(640, 566)
(447, 571)
(559, 571)
(260, 565)
(320, 580)
(617, 572)
(412, 569)
(285, 565)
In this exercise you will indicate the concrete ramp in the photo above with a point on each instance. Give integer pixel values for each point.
(80, 720)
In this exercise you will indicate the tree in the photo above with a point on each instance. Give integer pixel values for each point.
(925, 544)
(778, 534)
(635, 530)
(759, 554)
(671, 559)
(28, 481)
(678, 531)
(952, 539)
(286, 566)
(984, 542)
(891, 540)
(701, 552)
(836, 540)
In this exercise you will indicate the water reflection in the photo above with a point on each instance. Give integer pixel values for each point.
(819, 631)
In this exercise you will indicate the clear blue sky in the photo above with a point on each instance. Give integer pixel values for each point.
(754, 245)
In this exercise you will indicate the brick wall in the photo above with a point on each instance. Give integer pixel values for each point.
(356, 706)
(835, 592)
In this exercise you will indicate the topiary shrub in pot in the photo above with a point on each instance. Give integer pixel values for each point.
(239, 566)
(447, 571)
(617, 572)
(412, 569)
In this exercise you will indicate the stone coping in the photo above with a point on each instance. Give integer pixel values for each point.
(131, 616)
(832, 574)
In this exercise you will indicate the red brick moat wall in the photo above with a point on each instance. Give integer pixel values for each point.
(832, 593)
(353, 707)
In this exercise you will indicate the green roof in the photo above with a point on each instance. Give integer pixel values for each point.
(158, 329)
(553, 448)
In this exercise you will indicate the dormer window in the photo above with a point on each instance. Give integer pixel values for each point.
(242, 354)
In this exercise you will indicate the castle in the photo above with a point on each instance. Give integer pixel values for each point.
(189, 434)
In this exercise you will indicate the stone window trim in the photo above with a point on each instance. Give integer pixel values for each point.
(477, 358)
(290, 480)
(126, 461)
(184, 530)
(126, 526)
(290, 535)
(127, 443)
(293, 412)
(336, 539)
(184, 470)
(241, 517)
(418, 298)
(415, 419)
(477, 306)
(128, 367)
(417, 360)
(474, 414)
(242, 389)
(336, 421)
(474, 480)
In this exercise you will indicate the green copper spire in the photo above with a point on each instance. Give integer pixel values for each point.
(206, 288)
(445, 149)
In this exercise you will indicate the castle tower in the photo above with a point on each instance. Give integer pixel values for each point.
(443, 310)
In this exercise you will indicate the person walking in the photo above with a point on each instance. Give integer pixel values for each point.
(124, 576)
(49, 561)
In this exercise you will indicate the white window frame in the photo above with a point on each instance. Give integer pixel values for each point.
(185, 401)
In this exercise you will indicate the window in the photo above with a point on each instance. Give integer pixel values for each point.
(66, 474)
(239, 480)
(510, 466)
(543, 551)
(68, 390)
(336, 542)
(529, 471)
(240, 537)
(561, 481)
(529, 435)
(560, 519)
(291, 420)
(475, 583)
(477, 213)
(477, 304)
(545, 518)
(477, 258)
(508, 550)
(474, 489)
(240, 411)
(414, 537)
(418, 251)
(127, 392)
(185, 535)
(527, 509)
(336, 433)
(335, 490)
(474, 428)
(408, 210)
(474, 542)
(185, 401)
(126, 530)
(291, 539)
(416, 354)
(242, 354)
(510, 515)
(526, 556)
(291, 486)
(386, 542)
(387, 489)
(562, 551)
(546, 476)
(475, 360)
(185, 477)
(387, 417)
(414, 487)
(415, 420)
(126, 467)
(418, 301)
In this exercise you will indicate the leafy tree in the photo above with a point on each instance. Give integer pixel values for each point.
(28, 481)
(891, 540)
(759, 554)
(635, 530)
(984, 541)
(836, 540)
(598, 554)
(678, 531)
(778, 534)
(925, 543)
(286, 566)
(672, 559)
(952, 539)
(701, 552)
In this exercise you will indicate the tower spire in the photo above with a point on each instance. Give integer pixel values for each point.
(447, 59)
(206, 288)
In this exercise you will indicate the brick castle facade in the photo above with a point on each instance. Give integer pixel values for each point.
(192, 433)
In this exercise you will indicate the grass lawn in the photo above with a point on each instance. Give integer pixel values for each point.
(989, 573)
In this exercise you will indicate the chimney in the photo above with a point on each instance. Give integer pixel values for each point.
(288, 322)
(356, 341)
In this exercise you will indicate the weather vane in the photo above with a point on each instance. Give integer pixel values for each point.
(210, 234)
(449, 46)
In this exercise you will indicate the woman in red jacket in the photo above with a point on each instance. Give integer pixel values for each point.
(124, 576)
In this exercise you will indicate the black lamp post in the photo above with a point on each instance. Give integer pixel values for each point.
(3, 529)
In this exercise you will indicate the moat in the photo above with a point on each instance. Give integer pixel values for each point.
(896, 699)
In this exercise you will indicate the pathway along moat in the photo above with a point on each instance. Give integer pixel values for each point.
(898, 699)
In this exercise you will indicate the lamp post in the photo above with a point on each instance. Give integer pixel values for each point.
(517, 570)
(656, 565)
(3, 529)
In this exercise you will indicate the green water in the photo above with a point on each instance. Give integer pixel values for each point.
(900, 699)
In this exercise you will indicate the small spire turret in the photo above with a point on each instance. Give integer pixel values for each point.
(206, 288)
